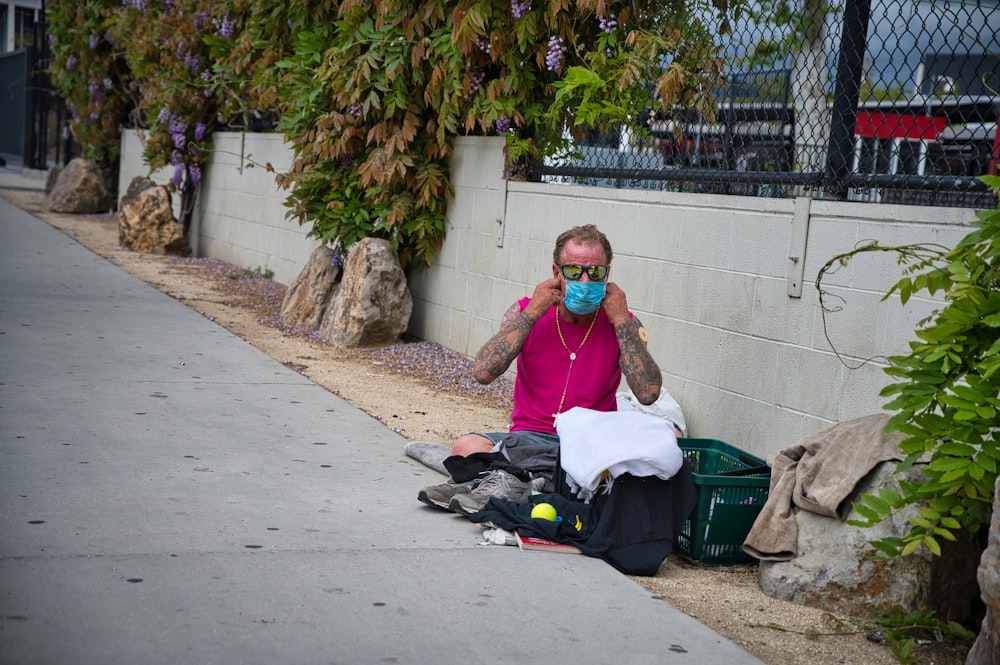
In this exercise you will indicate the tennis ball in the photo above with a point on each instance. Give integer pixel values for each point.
(544, 511)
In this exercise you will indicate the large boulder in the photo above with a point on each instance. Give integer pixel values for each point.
(833, 569)
(986, 650)
(79, 188)
(372, 307)
(146, 221)
(51, 178)
(308, 297)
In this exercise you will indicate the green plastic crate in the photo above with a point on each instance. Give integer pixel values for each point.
(727, 505)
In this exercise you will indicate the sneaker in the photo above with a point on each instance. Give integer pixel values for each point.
(497, 483)
(441, 495)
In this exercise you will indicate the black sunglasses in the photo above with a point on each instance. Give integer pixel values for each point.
(573, 272)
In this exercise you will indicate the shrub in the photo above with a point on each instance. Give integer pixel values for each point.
(946, 396)
(370, 92)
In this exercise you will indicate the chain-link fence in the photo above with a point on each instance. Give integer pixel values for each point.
(867, 100)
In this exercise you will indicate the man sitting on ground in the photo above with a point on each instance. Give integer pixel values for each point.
(573, 339)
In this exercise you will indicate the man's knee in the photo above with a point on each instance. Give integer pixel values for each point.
(471, 443)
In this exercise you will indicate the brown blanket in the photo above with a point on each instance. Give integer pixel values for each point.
(818, 474)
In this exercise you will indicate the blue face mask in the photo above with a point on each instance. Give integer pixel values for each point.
(584, 297)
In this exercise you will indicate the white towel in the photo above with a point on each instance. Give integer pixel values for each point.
(592, 442)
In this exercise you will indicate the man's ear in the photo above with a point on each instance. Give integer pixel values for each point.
(555, 270)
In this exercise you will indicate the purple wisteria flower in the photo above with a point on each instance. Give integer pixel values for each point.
(503, 124)
(93, 41)
(338, 258)
(607, 23)
(225, 27)
(52, 41)
(199, 20)
(194, 172)
(346, 161)
(355, 110)
(475, 82)
(199, 131)
(70, 63)
(520, 7)
(178, 132)
(193, 62)
(178, 177)
(554, 58)
(163, 116)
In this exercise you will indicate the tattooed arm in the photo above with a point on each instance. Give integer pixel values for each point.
(640, 370)
(500, 350)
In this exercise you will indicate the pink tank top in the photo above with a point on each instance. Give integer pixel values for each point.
(543, 365)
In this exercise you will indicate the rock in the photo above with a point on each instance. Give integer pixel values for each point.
(146, 221)
(80, 189)
(833, 570)
(986, 649)
(135, 187)
(372, 307)
(308, 297)
(51, 178)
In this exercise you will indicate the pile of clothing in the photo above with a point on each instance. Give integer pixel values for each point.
(618, 481)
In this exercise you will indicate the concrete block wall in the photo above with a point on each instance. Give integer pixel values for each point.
(240, 212)
(708, 275)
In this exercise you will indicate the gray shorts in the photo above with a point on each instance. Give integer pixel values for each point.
(505, 442)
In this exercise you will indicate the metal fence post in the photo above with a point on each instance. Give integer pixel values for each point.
(28, 146)
(853, 41)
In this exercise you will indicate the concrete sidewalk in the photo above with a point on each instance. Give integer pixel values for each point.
(169, 494)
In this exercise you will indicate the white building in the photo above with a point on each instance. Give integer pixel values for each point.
(17, 23)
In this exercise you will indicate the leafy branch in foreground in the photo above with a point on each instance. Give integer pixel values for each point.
(946, 397)
(915, 257)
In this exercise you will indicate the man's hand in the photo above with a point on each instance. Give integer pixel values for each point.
(615, 305)
(547, 294)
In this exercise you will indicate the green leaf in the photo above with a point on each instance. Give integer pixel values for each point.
(948, 463)
(956, 449)
(871, 515)
(946, 534)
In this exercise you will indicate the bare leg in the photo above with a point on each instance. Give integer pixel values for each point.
(467, 444)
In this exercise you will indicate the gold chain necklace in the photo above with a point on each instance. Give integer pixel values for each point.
(572, 356)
